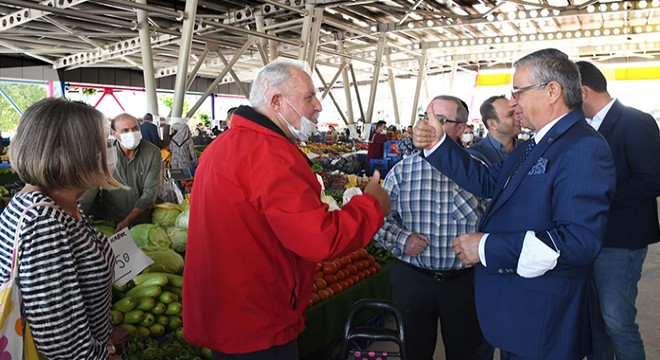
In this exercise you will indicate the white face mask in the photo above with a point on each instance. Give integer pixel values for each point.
(466, 137)
(130, 140)
(307, 127)
(111, 158)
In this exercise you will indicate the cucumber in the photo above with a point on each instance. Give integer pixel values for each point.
(143, 331)
(157, 330)
(167, 297)
(146, 303)
(174, 290)
(128, 327)
(125, 304)
(149, 279)
(173, 309)
(163, 320)
(134, 317)
(179, 336)
(174, 280)
(116, 317)
(159, 309)
(148, 320)
(174, 323)
(145, 291)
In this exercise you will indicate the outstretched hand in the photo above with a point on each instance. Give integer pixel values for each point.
(427, 133)
(373, 188)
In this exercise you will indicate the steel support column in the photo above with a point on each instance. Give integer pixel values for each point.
(218, 78)
(272, 45)
(314, 40)
(357, 91)
(344, 79)
(262, 44)
(191, 77)
(184, 53)
(418, 87)
(395, 101)
(332, 82)
(374, 79)
(304, 32)
(334, 101)
(233, 74)
(147, 60)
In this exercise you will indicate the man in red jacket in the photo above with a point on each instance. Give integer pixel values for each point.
(257, 224)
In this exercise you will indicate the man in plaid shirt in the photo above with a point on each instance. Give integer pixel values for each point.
(429, 282)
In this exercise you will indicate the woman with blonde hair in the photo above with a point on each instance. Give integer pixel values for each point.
(65, 267)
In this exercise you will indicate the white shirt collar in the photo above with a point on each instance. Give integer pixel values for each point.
(597, 120)
(538, 136)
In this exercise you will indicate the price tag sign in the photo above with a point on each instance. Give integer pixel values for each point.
(129, 259)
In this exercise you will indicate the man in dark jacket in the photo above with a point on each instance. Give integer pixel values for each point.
(149, 130)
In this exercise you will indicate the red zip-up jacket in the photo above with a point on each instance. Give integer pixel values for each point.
(257, 226)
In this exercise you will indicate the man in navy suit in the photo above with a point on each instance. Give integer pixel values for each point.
(543, 229)
(633, 221)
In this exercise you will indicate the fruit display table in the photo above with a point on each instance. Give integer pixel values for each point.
(326, 320)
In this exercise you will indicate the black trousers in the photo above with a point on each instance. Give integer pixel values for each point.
(288, 351)
(424, 300)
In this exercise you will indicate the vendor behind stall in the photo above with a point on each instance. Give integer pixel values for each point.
(139, 167)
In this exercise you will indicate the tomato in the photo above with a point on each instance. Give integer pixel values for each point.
(352, 268)
(366, 273)
(318, 267)
(349, 281)
(347, 260)
(310, 302)
(365, 263)
(371, 259)
(340, 275)
(330, 279)
(372, 270)
(355, 279)
(362, 253)
(344, 284)
(319, 274)
(324, 294)
(346, 272)
(330, 292)
(354, 256)
(377, 266)
(330, 267)
(336, 287)
(360, 275)
(320, 283)
(314, 288)
(315, 298)
(358, 265)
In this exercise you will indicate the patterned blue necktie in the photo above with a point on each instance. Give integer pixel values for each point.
(528, 150)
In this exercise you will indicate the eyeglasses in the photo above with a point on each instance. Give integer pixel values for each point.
(516, 92)
(443, 119)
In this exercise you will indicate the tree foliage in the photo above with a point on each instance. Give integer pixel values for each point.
(23, 95)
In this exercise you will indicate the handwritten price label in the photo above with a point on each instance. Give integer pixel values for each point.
(129, 259)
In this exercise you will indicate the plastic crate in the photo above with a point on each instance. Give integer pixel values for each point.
(383, 165)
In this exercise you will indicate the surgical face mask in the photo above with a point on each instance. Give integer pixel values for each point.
(466, 137)
(307, 127)
(111, 158)
(130, 140)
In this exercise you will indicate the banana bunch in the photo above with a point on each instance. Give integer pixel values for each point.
(149, 304)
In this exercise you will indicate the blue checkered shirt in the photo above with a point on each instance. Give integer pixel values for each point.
(427, 202)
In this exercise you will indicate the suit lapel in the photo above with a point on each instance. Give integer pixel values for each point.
(510, 186)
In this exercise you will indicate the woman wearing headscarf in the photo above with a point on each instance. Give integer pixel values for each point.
(182, 148)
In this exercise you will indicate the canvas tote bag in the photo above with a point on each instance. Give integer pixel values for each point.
(14, 341)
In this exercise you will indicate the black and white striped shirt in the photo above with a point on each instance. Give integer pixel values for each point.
(65, 273)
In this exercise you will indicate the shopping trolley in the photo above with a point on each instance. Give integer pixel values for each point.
(352, 335)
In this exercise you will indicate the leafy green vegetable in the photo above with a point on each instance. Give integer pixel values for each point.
(165, 216)
(182, 219)
(150, 237)
(144, 348)
(179, 237)
(106, 228)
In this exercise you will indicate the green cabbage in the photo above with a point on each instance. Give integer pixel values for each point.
(106, 228)
(179, 237)
(182, 219)
(165, 261)
(165, 216)
(150, 237)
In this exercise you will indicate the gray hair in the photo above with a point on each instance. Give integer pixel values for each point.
(122, 116)
(271, 78)
(553, 65)
(60, 144)
(461, 110)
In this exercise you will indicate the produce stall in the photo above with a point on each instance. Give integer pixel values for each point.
(325, 321)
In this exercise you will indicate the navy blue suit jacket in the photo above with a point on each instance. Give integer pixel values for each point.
(564, 188)
(634, 139)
